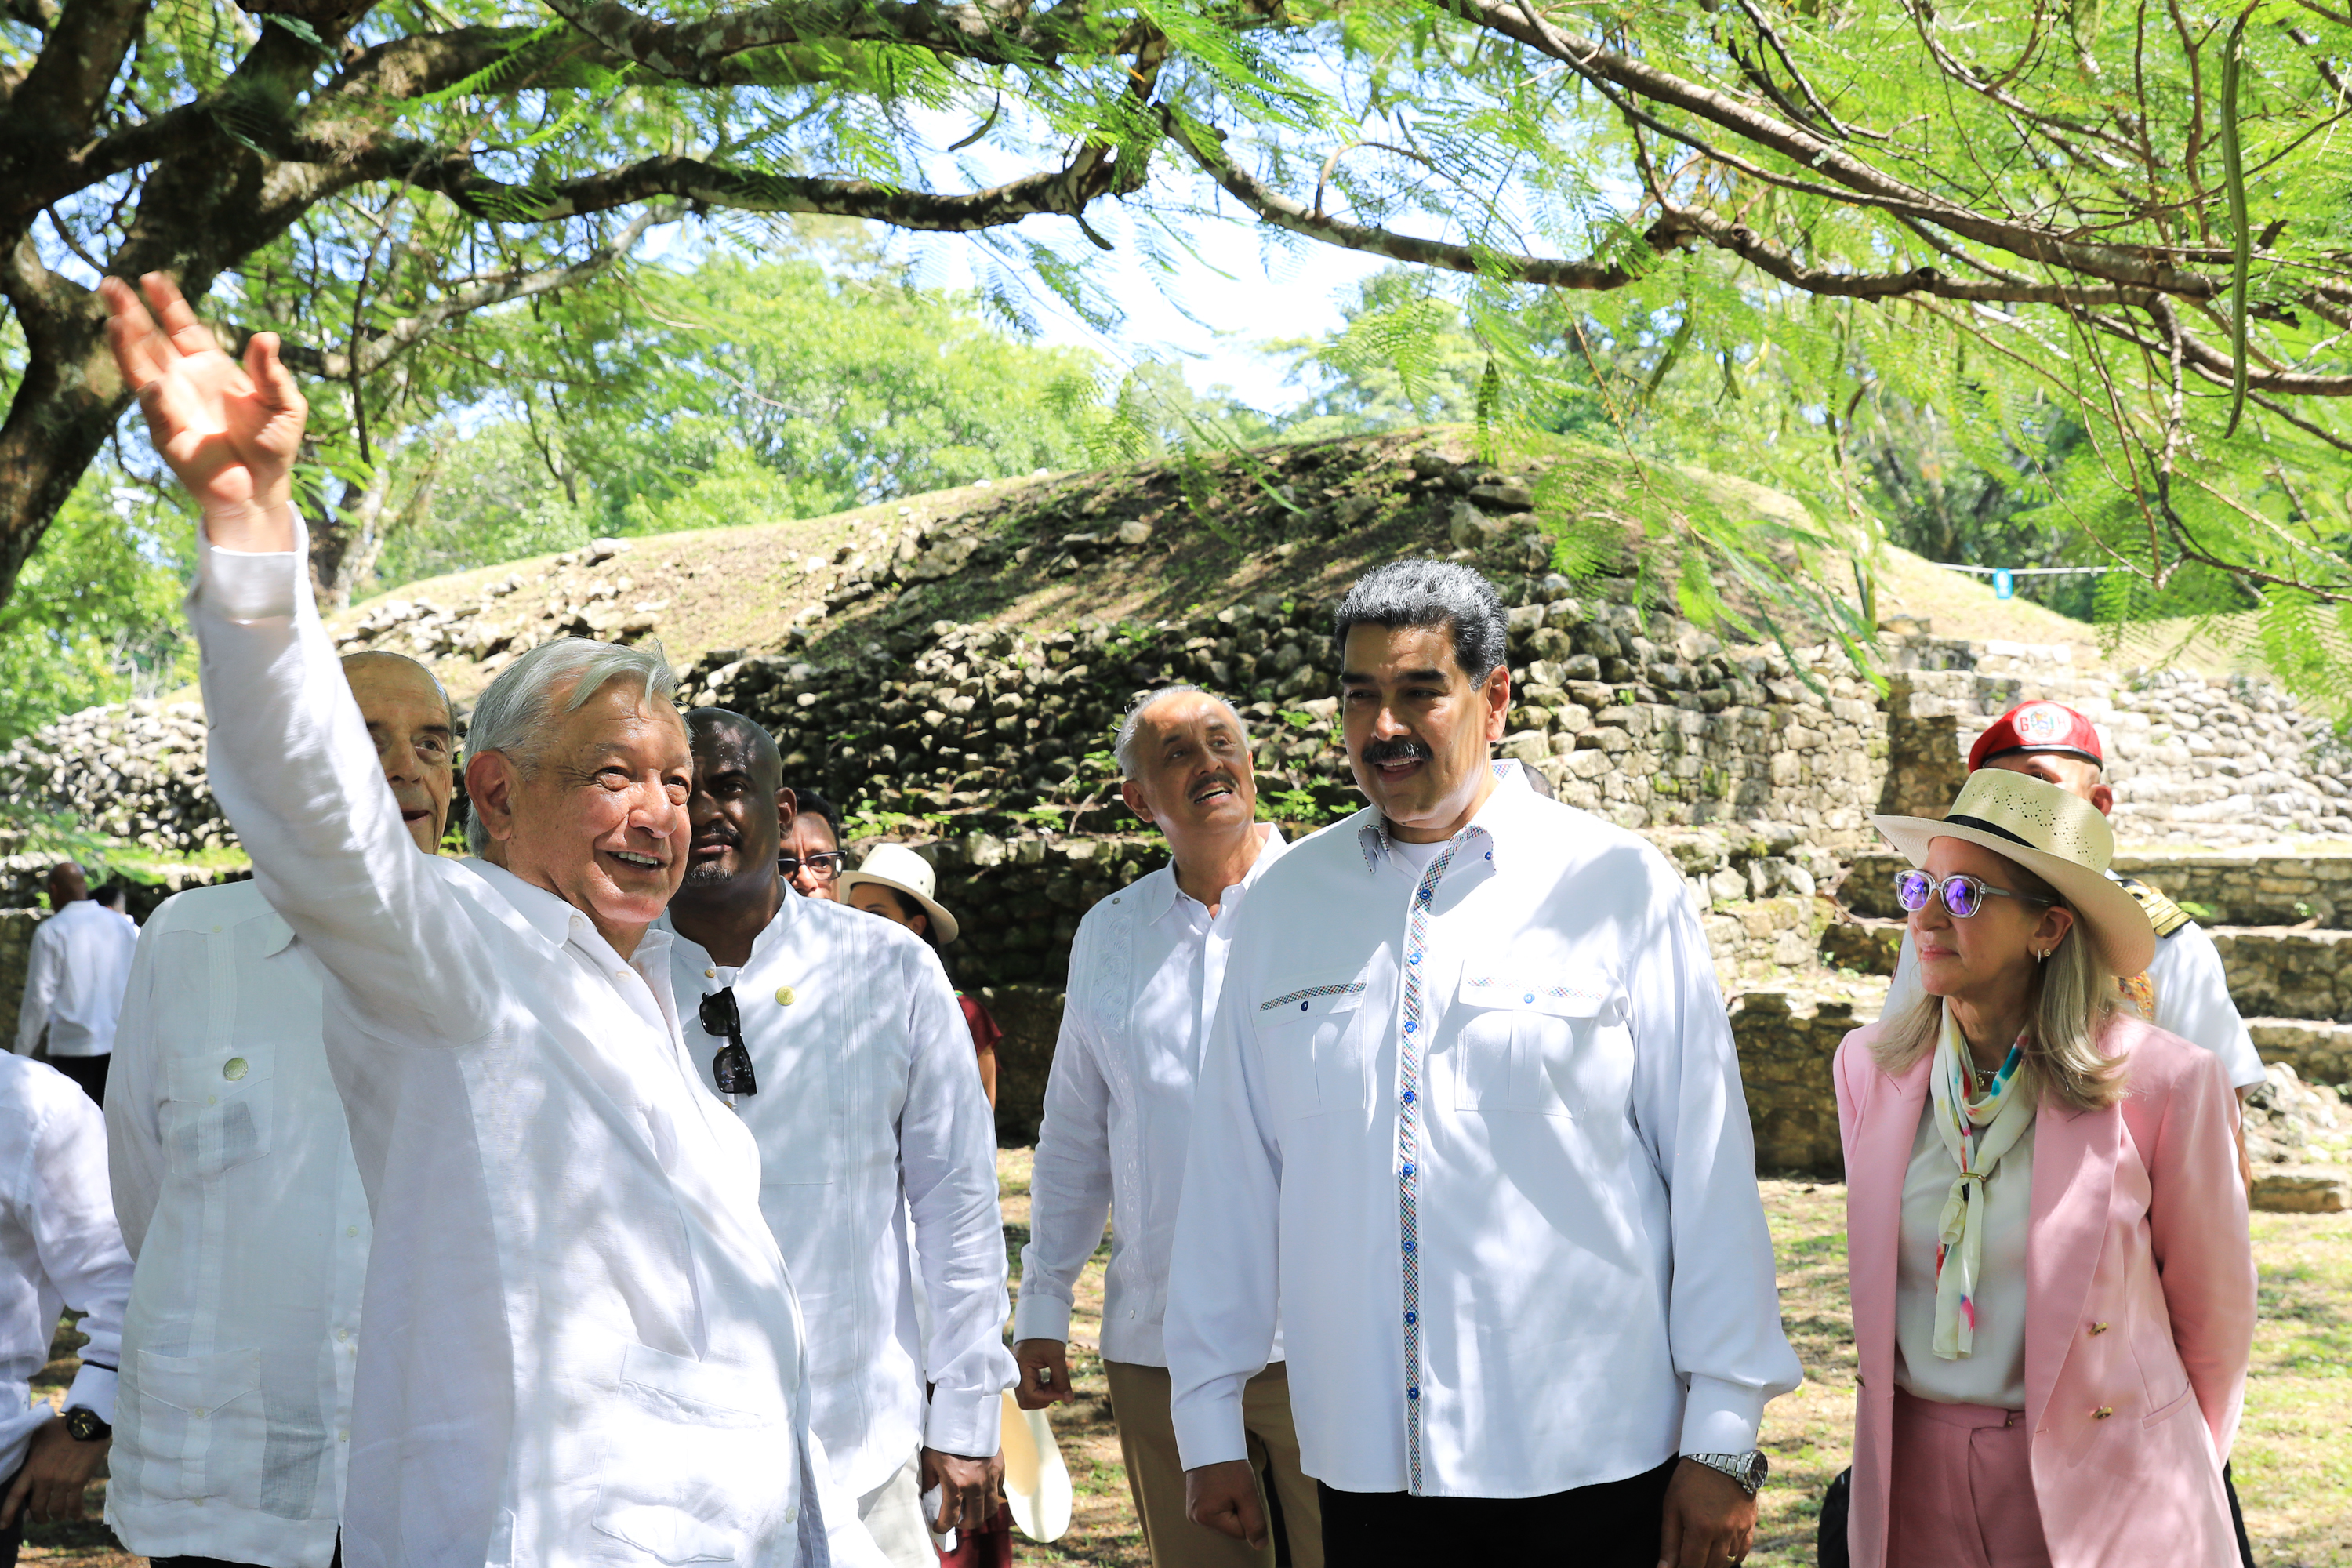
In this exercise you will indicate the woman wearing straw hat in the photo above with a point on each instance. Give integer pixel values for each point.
(896, 884)
(2053, 1286)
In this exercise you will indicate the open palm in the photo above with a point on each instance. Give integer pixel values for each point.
(230, 431)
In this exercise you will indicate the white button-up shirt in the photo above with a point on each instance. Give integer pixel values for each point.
(582, 1346)
(237, 1191)
(2192, 999)
(870, 1108)
(74, 977)
(1474, 1135)
(1145, 972)
(58, 1249)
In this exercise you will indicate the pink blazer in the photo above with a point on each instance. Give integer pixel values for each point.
(2139, 1303)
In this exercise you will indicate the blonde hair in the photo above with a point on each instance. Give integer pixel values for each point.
(2062, 1059)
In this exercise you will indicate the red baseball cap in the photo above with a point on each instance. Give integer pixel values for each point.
(2038, 726)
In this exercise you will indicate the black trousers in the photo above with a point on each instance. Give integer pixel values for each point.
(217, 1562)
(88, 1071)
(1614, 1525)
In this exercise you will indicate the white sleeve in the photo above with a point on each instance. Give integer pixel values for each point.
(2192, 1000)
(947, 1157)
(294, 770)
(1069, 1182)
(1723, 1321)
(78, 1244)
(134, 1101)
(40, 989)
(1225, 1300)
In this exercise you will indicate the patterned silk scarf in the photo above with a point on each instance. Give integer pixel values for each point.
(1977, 1133)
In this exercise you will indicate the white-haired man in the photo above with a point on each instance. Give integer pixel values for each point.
(238, 1197)
(1470, 1130)
(582, 1345)
(1145, 972)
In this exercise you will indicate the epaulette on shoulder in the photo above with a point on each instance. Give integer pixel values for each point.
(2165, 915)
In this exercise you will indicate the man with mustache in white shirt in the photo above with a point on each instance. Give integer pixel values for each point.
(840, 1042)
(1145, 974)
(582, 1345)
(1470, 1130)
(234, 1184)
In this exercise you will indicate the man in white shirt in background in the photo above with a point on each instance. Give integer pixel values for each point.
(1470, 1130)
(74, 977)
(582, 1345)
(840, 1041)
(1144, 977)
(238, 1197)
(60, 1248)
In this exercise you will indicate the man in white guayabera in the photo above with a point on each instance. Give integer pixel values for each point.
(237, 1191)
(582, 1345)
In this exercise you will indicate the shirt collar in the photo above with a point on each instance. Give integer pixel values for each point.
(1496, 819)
(552, 920)
(1160, 900)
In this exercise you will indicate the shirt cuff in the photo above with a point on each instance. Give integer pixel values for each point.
(967, 1424)
(1720, 1418)
(241, 586)
(94, 1390)
(1041, 1317)
(1208, 1429)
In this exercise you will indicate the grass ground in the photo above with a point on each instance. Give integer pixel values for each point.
(2293, 1467)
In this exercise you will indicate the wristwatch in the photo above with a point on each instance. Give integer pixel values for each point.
(1748, 1469)
(83, 1425)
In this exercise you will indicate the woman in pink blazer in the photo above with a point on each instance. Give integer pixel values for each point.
(2052, 1286)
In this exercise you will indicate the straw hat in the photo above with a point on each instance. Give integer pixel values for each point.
(2060, 837)
(1036, 1481)
(900, 869)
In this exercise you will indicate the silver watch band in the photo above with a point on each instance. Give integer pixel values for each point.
(1748, 1469)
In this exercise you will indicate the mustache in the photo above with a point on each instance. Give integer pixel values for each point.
(1402, 749)
(1226, 779)
(718, 834)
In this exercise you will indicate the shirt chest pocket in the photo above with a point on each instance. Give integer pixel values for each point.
(1537, 1043)
(1307, 1035)
(217, 1104)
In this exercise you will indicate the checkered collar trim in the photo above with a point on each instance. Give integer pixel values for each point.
(1374, 840)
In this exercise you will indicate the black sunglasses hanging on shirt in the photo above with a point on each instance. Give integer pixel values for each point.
(732, 1065)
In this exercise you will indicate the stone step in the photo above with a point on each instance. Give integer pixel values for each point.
(2261, 885)
(2321, 1052)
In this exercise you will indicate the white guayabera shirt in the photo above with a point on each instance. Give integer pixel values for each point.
(582, 1345)
(237, 1191)
(59, 1248)
(870, 1108)
(1471, 1128)
(1145, 972)
(74, 976)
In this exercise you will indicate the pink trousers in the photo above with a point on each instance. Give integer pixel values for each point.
(1963, 1492)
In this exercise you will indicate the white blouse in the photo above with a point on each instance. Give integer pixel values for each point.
(1995, 1373)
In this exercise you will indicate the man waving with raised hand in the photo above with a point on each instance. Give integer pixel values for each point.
(582, 1346)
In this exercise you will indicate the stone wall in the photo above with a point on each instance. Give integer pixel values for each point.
(2193, 759)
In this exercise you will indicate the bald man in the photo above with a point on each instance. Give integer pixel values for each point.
(238, 1198)
(838, 1039)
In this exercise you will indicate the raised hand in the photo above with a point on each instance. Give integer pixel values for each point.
(230, 431)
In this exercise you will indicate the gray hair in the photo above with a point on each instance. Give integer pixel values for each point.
(1124, 747)
(513, 714)
(1422, 592)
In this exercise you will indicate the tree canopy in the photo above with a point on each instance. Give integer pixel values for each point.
(2101, 248)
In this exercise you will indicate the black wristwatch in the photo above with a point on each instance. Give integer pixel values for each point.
(83, 1425)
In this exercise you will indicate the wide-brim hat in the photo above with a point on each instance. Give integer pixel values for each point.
(2059, 837)
(1036, 1481)
(900, 869)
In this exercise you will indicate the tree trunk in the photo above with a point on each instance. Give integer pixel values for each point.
(64, 408)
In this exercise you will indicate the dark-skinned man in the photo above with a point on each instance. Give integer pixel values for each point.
(1470, 1128)
(839, 1040)
(1145, 974)
(239, 1195)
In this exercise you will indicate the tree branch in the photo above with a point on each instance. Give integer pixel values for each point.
(1001, 33)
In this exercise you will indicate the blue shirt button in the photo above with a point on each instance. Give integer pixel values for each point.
(1408, 1097)
(1302, 1006)
(1413, 1317)
(1413, 1392)
(1411, 1245)
(1490, 854)
(1406, 1173)
(1409, 1028)
(1530, 996)
(1414, 958)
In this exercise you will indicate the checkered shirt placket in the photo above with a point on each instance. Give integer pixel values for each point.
(1411, 1043)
